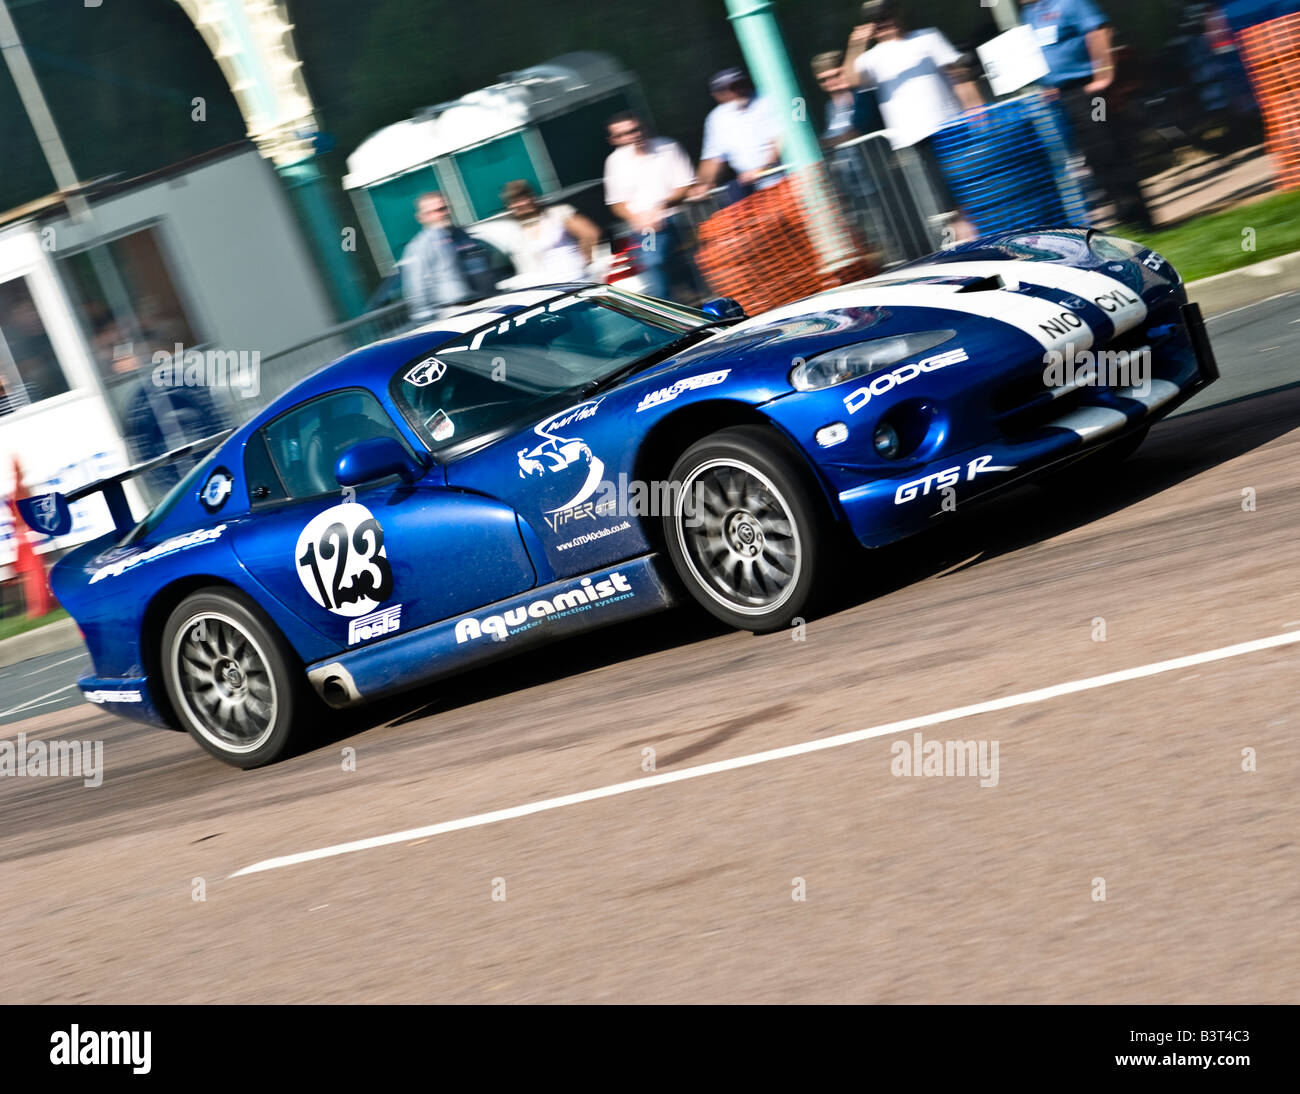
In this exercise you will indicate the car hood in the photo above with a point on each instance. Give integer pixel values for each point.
(1030, 306)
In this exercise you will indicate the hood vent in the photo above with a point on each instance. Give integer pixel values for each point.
(984, 284)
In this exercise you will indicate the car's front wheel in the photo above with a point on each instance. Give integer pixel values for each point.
(231, 678)
(745, 532)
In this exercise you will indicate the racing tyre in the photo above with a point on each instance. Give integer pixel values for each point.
(231, 678)
(745, 533)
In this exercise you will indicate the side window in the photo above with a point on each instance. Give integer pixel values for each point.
(306, 443)
(264, 484)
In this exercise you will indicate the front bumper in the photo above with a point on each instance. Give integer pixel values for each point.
(886, 509)
(130, 697)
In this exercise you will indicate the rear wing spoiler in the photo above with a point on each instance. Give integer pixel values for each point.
(50, 514)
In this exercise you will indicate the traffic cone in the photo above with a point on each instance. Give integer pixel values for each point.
(36, 585)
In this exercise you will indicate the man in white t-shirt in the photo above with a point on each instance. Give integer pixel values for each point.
(646, 178)
(919, 83)
(916, 75)
(742, 132)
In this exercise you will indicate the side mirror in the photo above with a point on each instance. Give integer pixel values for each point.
(378, 458)
(723, 307)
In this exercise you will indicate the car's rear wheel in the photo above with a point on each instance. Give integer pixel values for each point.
(231, 678)
(745, 533)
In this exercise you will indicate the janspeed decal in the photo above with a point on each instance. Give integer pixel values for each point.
(342, 562)
(887, 381)
(105, 696)
(500, 627)
(375, 625)
(667, 394)
(166, 547)
(216, 490)
(939, 480)
(427, 372)
(558, 453)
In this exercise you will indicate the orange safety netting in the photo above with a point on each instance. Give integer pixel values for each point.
(780, 244)
(1271, 52)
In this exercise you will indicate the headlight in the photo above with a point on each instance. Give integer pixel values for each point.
(862, 358)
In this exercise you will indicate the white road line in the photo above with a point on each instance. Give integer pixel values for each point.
(1024, 698)
(46, 668)
(1247, 307)
(30, 702)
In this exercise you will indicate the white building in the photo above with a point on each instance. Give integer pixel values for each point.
(206, 254)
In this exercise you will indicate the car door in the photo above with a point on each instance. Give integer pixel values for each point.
(364, 564)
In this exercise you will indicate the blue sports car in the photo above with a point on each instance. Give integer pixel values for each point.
(556, 459)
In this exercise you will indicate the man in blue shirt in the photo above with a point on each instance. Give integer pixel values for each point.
(443, 265)
(1076, 40)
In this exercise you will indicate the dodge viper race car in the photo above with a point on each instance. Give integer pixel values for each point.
(561, 458)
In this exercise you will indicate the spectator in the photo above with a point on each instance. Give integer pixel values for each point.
(920, 85)
(919, 81)
(552, 243)
(742, 132)
(157, 418)
(646, 178)
(1076, 41)
(850, 112)
(443, 265)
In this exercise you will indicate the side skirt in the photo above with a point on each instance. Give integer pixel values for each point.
(533, 618)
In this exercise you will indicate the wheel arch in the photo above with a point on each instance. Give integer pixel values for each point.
(677, 431)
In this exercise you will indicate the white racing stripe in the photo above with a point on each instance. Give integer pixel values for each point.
(1161, 392)
(1052, 325)
(1091, 422)
(1125, 307)
(907, 725)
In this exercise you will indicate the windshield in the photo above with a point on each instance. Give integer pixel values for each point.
(508, 374)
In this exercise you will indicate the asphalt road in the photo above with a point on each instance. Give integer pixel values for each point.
(41, 684)
(1130, 645)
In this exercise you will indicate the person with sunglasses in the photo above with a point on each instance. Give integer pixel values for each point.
(646, 179)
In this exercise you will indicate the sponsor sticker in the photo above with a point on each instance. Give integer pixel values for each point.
(216, 490)
(580, 598)
(166, 547)
(440, 426)
(588, 510)
(855, 400)
(667, 394)
(428, 371)
(557, 453)
(594, 536)
(47, 513)
(375, 625)
(104, 695)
